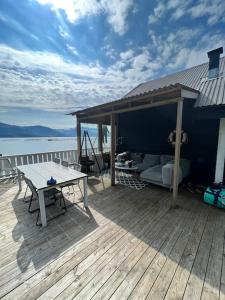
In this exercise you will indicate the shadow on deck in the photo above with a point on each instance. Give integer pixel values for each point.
(128, 244)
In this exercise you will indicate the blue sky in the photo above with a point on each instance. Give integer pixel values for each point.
(57, 56)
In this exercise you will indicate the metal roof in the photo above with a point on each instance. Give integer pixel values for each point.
(212, 91)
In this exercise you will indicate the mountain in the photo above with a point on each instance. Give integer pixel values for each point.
(7, 131)
(67, 132)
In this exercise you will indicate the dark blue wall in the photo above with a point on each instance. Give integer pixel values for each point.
(147, 131)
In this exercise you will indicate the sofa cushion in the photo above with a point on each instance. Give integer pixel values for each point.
(164, 159)
(136, 157)
(149, 160)
(152, 174)
(184, 165)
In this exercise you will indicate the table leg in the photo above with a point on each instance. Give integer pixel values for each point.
(41, 200)
(85, 192)
(19, 180)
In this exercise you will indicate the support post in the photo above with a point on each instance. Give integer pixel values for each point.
(100, 146)
(220, 153)
(113, 146)
(78, 139)
(177, 152)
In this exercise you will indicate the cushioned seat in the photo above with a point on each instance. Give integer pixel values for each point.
(162, 174)
(149, 160)
(153, 173)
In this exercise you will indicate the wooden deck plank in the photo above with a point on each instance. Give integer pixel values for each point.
(107, 231)
(131, 270)
(129, 245)
(161, 285)
(222, 280)
(179, 281)
(211, 286)
(117, 249)
(55, 276)
(151, 236)
(117, 215)
(197, 276)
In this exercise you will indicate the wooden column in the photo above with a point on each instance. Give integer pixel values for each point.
(177, 151)
(113, 146)
(220, 153)
(78, 139)
(100, 146)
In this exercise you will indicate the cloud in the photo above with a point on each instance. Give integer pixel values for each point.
(212, 10)
(176, 50)
(127, 54)
(45, 80)
(74, 9)
(158, 12)
(63, 32)
(72, 49)
(116, 11)
(109, 51)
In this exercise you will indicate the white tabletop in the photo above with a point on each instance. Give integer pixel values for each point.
(41, 172)
(124, 167)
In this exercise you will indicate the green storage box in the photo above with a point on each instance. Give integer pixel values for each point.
(215, 196)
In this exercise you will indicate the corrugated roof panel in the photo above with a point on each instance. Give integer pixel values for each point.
(216, 92)
(212, 91)
(221, 96)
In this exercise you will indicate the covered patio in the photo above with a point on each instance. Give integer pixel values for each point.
(109, 113)
(129, 244)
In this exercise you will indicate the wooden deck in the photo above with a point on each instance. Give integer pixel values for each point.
(130, 244)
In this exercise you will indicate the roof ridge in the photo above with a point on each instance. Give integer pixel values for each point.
(177, 72)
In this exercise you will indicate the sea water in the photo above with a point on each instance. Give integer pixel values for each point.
(15, 146)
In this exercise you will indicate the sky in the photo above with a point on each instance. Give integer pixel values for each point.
(59, 56)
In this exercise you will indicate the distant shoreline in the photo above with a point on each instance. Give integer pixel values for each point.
(37, 137)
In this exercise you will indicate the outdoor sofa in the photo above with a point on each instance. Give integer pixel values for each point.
(157, 169)
(162, 172)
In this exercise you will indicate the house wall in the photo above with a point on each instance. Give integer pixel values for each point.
(147, 131)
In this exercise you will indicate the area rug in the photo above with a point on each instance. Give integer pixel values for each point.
(130, 181)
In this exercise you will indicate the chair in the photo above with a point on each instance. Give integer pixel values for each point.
(57, 160)
(76, 167)
(6, 169)
(49, 194)
(65, 163)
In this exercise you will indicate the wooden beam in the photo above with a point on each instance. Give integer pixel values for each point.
(220, 153)
(100, 146)
(154, 104)
(78, 139)
(177, 151)
(113, 147)
(189, 94)
(161, 91)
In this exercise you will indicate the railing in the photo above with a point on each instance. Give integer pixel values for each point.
(33, 158)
